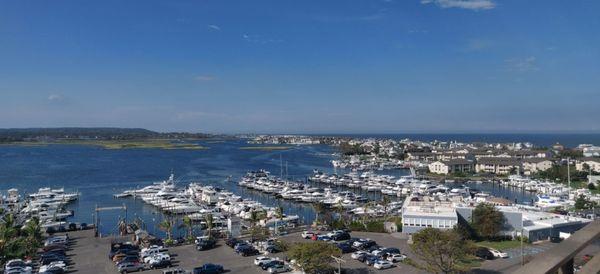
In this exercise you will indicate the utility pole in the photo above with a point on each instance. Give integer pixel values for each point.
(339, 261)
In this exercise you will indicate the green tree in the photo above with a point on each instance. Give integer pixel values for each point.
(188, 224)
(487, 220)
(33, 235)
(209, 219)
(259, 233)
(441, 251)
(583, 203)
(385, 202)
(167, 226)
(279, 216)
(319, 208)
(313, 257)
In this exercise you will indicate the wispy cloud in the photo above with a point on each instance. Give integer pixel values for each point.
(527, 64)
(258, 39)
(214, 27)
(55, 98)
(462, 4)
(380, 14)
(478, 44)
(204, 78)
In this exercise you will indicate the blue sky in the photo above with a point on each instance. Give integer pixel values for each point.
(302, 66)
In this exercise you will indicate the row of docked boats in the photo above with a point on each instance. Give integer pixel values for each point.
(47, 204)
(197, 201)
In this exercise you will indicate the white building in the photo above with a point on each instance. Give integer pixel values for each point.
(592, 163)
(498, 165)
(535, 165)
(451, 166)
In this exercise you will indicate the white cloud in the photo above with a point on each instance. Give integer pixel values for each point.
(252, 38)
(55, 98)
(214, 27)
(462, 4)
(522, 64)
(204, 78)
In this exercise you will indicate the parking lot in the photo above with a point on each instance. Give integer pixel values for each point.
(90, 256)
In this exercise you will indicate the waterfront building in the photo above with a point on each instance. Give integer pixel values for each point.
(451, 166)
(498, 165)
(419, 213)
(535, 165)
(592, 163)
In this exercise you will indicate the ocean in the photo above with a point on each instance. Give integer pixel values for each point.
(99, 173)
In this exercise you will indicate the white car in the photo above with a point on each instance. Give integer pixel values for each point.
(396, 258)
(260, 260)
(157, 258)
(151, 247)
(383, 265)
(378, 251)
(357, 254)
(497, 253)
(307, 234)
(17, 265)
(152, 252)
(53, 266)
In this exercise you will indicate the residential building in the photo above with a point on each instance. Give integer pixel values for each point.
(498, 165)
(535, 165)
(584, 163)
(451, 166)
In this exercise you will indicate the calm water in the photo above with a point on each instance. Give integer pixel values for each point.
(99, 173)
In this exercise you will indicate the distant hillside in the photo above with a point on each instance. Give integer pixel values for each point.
(100, 133)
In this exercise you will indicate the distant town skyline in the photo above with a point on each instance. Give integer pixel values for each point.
(365, 66)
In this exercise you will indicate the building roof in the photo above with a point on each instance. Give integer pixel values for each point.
(457, 161)
(499, 161)
(536, 160)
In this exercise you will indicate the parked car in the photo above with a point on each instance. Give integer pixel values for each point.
(177, 270)
(498, 254)
(279, 268)
(372, 259)
(484, 253)
(341, 236)
(17, 264)
(260, 260)
(308, 234)
(157, 257)
(156, 264)
(270, 264)
(383, 264)
(364, 244)
(130, 267)
(206, 244)
(128, 259)
(209, 269)
(345, 247)
(389, 250)
(396, 257)
(241, 245)
(324, 238)
(358, 254)
(232, 242)
(248, 251)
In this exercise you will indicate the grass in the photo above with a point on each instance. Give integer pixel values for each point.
(118, 144)
(500, 245)
(266, 148)
(470, 262)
